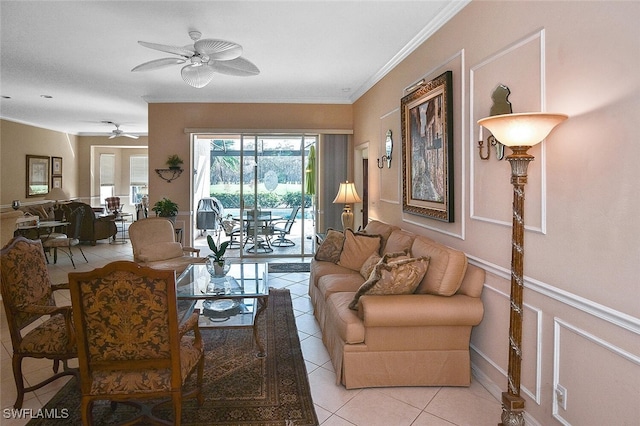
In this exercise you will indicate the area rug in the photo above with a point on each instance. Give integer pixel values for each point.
(239, 388)
(289, 267)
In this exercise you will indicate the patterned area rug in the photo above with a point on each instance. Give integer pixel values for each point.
(239, 388)
(289, 267)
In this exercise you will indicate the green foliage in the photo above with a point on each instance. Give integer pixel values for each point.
(165, 208)
(218, 252)
(174, 161)
(268, 200)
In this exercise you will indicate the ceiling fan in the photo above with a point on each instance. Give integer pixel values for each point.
(118, 133)
(203, 59)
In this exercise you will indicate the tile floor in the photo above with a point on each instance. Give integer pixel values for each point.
(335, 405)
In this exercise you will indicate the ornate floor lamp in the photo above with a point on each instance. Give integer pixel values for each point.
(519, 132)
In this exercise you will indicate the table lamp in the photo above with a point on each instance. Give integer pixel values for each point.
(347, 195)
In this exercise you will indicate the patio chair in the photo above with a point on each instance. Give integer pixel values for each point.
(131, 347)
(232, 230)
(283, 228)
(27, 295)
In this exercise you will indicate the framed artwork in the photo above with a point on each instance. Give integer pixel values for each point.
(56, 182)
(56, 166)
(427, 149)
(37, 175)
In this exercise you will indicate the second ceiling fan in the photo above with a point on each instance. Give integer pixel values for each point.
(203, 59)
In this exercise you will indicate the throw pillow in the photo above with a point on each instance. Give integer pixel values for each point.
(396, 277)
(357, 248)
(331, 247)
(160, 251)
(369, 264)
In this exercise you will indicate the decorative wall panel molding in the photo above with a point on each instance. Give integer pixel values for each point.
(520, 66)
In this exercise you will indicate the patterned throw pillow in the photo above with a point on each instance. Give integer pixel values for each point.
(367, 267)
(357, 248)
(395, 277)
(331, 247)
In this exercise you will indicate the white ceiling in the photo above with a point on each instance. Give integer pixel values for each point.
(81, 53)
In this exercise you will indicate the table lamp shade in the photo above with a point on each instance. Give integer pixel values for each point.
(347, 194)
(57, 194)
(524, 129)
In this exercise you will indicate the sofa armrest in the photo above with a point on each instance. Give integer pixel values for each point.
(409, 310)
(191, 250)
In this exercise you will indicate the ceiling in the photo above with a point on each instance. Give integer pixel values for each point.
(80, 53)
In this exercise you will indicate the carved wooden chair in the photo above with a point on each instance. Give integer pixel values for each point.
(131, 346)
(27, 295)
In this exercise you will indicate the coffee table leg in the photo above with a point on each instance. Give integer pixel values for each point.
(262, 305)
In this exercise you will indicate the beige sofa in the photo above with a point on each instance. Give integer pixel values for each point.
(416, 339)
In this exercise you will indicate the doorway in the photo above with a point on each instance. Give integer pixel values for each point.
(259, 181)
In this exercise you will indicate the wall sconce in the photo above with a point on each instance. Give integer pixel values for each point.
(491, 140)
(519, 132)
(347, 195)
(388, 146)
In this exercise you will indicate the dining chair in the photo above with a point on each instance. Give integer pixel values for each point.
(283, 228)
(38, 327)
(131, 346)
(64, 242)
(113, 205)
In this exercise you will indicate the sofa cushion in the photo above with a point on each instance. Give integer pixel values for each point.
(399, 241)
(376, 227)
(160, 251)
(331, 247)
(393, 277)
(357, 248)
(346, 322)
(447, 267)
(337, 283)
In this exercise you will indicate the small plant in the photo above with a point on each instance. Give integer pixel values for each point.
(218, 252)
(165, 208)
(174, 162)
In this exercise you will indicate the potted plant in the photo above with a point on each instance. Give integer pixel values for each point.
(166, 208)
(174, 162)
(215, 261)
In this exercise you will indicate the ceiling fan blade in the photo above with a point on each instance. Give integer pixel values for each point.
(239, 67)
(219, 50)
(197, 76)
(113, 136)
(185, 51)
(158, 63)
(126, 135)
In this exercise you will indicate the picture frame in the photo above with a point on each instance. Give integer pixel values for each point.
(37, 175)
(56, 166)
(427, 149)
(56, 182)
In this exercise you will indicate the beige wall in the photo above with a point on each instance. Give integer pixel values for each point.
(582, 325)
(19, 140)
(167, 135)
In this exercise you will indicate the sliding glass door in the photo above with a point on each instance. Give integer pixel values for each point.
(260, 180)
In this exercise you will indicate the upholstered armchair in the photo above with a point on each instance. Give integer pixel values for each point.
(154, 244)
(27, 295)
(94, 227)
(131, 346)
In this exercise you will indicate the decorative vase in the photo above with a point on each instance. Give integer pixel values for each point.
(217, 268)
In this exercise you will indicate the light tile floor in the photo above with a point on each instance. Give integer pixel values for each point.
(335, 405)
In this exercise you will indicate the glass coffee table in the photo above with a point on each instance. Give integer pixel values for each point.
(234, 300)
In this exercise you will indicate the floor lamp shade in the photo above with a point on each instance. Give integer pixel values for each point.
(347, 195)
(518, 132)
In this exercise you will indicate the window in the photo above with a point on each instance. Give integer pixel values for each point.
(107, 175)
(138, 177)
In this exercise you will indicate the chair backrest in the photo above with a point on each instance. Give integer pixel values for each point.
(126, 319)
(74, 216)
(150, 231)
(291, 219)
(263, 223)
(24, 281)
(113, 204)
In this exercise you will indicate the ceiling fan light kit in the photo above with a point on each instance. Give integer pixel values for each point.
(118, 133)
(203, 59)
